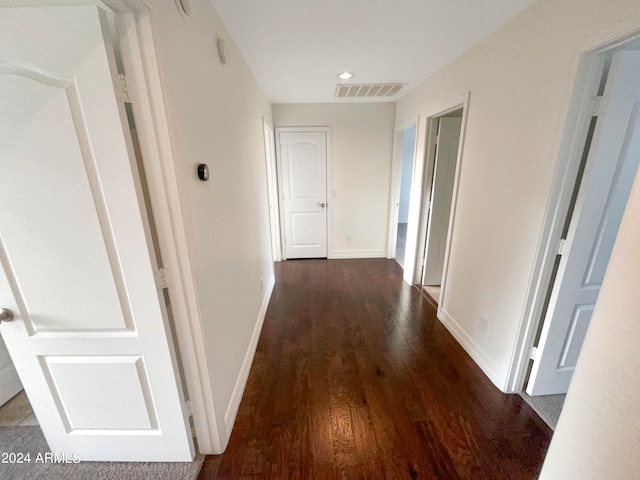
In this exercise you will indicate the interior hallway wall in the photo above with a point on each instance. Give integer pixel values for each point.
(362, 138)
(520, 80)
(215, 113)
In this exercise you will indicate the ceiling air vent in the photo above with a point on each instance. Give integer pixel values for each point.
(368, 90)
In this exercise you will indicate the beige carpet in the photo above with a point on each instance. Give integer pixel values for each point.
(30, 440)
(433, 291)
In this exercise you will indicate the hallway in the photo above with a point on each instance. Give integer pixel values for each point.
(354, 377)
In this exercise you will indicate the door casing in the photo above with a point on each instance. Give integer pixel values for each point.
(588, 80)
(272, 190)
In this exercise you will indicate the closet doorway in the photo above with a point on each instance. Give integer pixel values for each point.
(441, 169)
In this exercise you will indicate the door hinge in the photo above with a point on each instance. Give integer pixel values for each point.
(187, 407)
(600, 105)
(122, 89)
(535, 354)
(162, 279)
(563, 247)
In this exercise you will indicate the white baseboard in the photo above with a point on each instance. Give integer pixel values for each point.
(9, 383)
(241, 382)
(344, 254)
(490, 368)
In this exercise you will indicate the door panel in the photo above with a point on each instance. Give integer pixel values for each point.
(441, 199)
(303, 157)
(611, 168)
(90, 338)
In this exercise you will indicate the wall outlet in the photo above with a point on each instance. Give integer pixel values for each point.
(483, 324)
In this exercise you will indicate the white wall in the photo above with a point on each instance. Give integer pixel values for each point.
(362, 137)
(521, 79)
(597, 434)
(408, 150)
(215, 113)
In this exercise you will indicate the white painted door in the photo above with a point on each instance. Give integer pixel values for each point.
(441, 198)
(611, 168)
(303, 160)
(90, 336)
(9, 382)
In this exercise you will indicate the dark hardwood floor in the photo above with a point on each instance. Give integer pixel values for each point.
(354, 377)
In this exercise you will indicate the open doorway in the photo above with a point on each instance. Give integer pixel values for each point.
(597, 167)
(441, 170)
(402, 177)
(406, 176)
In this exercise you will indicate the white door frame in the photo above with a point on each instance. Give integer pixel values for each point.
(428, 171)
(581, 110)
(418, 207)
(396, 178)
(327, 131)
(272, 190)
(143, 72)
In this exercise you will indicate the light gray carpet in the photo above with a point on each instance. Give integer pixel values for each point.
(31, 440)
(548, 407)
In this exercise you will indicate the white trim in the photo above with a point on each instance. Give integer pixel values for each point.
(395, 181)
(272, 191)
(490, 368)
(154, 133)
(575, 132)
(327, 131)
(241, 381)
(342, 254)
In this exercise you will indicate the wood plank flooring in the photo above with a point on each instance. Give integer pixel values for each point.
(354, 377)
(17, 412)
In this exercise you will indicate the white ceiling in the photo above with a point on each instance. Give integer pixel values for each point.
(296, 48)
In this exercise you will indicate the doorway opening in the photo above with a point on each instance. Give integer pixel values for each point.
(443, 147)
(598, 164)
(406, 176)
(402, 178)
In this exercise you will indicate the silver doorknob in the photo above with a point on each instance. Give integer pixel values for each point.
(322, 205)
(6, 315)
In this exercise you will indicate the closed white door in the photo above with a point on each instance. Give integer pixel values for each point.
(303, 161)
(9, 381)
(610, 170)
(441, 198)
(89, 338)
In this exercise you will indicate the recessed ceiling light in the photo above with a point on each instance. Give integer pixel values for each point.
(345, 75)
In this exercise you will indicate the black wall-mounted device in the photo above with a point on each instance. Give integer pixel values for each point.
(203, 172)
